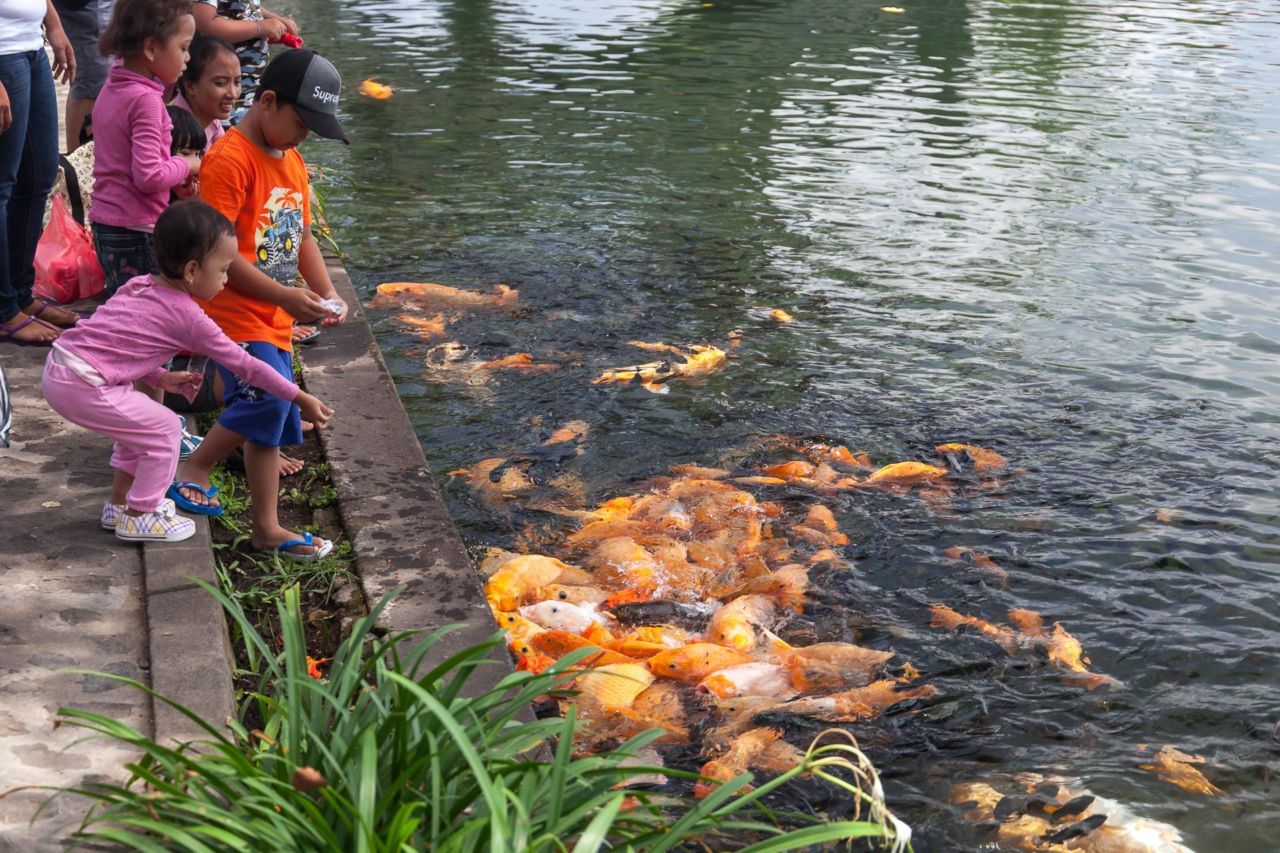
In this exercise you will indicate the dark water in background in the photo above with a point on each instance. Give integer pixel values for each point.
(1049, 228)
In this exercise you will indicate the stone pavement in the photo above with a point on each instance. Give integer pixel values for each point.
(71, 595)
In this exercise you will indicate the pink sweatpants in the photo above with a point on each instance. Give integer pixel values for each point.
(146, 433)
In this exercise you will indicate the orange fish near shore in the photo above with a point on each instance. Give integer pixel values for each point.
(378, 91)
(694, 662)
(442, 295)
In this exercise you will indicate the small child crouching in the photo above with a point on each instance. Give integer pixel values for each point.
(89, 375)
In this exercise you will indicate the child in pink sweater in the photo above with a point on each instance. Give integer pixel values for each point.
(133, 170)
(89, 375)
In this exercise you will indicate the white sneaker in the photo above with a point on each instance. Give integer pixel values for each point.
(163, 525)
(111, 515)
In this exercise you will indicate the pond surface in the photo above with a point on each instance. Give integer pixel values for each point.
(1047, 228)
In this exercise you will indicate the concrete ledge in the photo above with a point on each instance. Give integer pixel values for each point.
(396, 520)
(191, 658)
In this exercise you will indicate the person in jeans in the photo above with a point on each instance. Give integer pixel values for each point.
(28, 161)
(84, 21)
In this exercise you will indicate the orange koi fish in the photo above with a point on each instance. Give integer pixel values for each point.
(694, 662)
(906, 472)
(1178, 768)
(442, 295)
(516, 361)
(860, 703)
(557, 644)
(507, 587)
(984, 460)
(736, 624)
(373, 89)
(748, 679)
(980, 561)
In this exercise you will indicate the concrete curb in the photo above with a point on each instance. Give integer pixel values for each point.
(402, 533)
(191, 657)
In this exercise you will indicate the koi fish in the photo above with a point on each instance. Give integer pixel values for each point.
(614, 685)
(562, 616)
(1178, 768)
(621, 561)
(694, 662)
(980, 561)
(819, 527)
(781, 316)
(442, 295)
(794, 470)
(700, 472)
(832, 666)
(902, 472)
(556, 644)
(516, 361)
(1053, 816)
(748, 679)
(661, 612)
(373, 89)
(860, 703)
(575, 431)
(984, 460)
(426, 328)
(572, 594)
(506, 588)
(745, 752)
(735, 625)
(785, 586)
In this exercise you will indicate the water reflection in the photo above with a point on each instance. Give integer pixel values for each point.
(1046, 227)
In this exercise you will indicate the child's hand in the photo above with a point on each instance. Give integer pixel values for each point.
(304, 304)
(193, 164)
(180, 381)
(289, 25)
(337, 311)
(313, 410)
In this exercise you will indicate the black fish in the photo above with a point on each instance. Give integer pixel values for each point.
(1074, 807)
(1076, 830)
(639, 613)
(1009, 807)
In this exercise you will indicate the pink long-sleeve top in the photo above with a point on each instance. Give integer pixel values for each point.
(133, 170)
(145, 324)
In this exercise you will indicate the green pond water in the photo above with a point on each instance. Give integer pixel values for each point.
(1050, 228)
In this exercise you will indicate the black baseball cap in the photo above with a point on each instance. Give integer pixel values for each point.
(310, 83)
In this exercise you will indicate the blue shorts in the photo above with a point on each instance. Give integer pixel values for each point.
(252, 412)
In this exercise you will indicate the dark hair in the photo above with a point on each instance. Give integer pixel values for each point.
(187, 231)
(187, 132)
(204, 48)
(135, 21)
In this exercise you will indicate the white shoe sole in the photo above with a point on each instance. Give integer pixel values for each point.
(180, 536)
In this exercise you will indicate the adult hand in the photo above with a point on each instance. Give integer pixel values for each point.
(272, 28)
(64, 58)
(6, 111)
(304, 305)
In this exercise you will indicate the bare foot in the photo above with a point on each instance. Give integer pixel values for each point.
(290, 466)
(52, 314)
(37, 332)
(303, 333)
(188, 473)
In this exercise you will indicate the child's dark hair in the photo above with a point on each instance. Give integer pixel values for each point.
(188, 135)
(135, 21)
(204, 48)
(187, 231)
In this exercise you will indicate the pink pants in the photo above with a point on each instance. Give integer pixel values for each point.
(146, 433)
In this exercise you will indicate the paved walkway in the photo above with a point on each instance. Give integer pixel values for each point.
(71, 595)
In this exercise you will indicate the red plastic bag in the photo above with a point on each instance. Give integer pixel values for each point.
(66, 267)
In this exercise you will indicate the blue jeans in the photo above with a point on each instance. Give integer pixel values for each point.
(123, 254)
(28, 165)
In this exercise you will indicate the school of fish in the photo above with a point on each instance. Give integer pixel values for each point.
(674, 599)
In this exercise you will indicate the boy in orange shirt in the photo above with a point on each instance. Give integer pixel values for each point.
(255, 176)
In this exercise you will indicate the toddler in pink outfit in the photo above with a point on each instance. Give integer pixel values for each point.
(89, 375)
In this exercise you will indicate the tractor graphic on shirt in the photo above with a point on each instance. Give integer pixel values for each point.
(278, 235)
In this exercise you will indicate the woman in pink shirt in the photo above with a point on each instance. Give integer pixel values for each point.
(208, 89)
(89, 375)
(133, 170)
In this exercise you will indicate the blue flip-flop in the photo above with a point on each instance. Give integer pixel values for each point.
(307, 539)
(175, 494)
